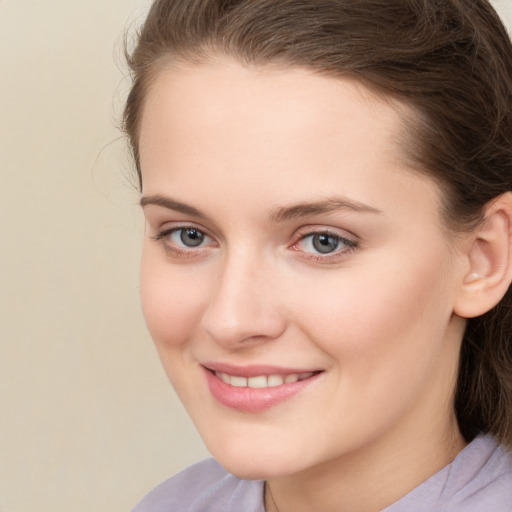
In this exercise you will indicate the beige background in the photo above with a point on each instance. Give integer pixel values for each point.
(88, 422)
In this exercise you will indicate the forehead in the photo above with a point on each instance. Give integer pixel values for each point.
(267, 103)
(251, 127)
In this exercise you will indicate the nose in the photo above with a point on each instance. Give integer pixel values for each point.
(244, 306)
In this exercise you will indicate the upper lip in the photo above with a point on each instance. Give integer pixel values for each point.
(254, 370)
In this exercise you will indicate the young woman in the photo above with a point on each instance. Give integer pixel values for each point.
(327, 260)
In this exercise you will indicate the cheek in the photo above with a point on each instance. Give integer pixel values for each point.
(381, 316)
(384, 333)
(171, 301)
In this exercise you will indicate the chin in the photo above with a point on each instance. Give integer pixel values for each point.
(246, 473)
(252, 470)
(254, 463)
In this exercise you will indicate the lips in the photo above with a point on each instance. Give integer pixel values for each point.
(255, 388)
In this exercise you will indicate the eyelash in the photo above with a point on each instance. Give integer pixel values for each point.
(334, 256)
(191, 252)
(175, 251)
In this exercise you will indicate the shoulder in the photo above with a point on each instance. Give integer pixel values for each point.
(205, 486)
(479, 479)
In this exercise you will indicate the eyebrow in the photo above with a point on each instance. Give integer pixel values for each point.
(331, 204)
(278, 214)
(171, 204)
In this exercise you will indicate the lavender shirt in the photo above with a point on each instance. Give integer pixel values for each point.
(478, 480)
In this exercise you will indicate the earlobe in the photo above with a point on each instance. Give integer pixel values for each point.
(490, 261)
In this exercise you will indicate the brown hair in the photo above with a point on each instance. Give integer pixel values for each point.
(450, 60)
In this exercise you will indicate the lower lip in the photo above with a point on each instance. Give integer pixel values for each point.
(253, 399)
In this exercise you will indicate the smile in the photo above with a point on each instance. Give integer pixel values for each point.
(262, 381)
(256, 389)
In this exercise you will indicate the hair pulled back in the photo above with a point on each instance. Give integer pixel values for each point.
(450, 60)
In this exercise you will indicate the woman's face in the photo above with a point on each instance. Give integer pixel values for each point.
(296, 276)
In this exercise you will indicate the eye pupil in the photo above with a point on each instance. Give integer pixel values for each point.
(191, 237)
(325, 243)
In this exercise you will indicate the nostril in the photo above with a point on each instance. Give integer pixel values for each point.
(243, 327)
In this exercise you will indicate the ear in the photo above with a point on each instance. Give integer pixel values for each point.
(489, 256)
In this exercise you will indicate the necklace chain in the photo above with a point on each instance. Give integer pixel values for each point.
(267, 488)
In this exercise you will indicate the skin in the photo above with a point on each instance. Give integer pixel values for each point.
(237, 145)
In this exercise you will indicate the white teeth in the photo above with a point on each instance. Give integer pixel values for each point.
(275, 380)
(257, 382)
(262, 381)
(239, 382)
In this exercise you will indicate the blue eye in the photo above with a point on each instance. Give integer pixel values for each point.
(188, 237)
(184, 241)
(325, 243)
(321, 243)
